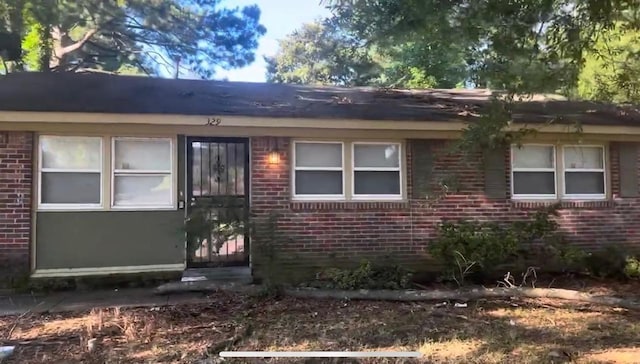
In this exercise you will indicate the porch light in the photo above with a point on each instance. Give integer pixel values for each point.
(274, 153)
(274, 157)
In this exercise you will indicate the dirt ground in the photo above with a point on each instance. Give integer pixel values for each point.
(486, 331)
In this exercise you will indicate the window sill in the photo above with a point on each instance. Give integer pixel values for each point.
(348, 205)
(564, 204)
(62, 208)
(143, 208)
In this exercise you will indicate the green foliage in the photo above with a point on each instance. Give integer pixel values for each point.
(414, 41)
(420, 79)
(518, 46)
(632, 267)
(611, 70)
(147, 34)
(613, 262)
(214, 221)
(486, 244)
(471, 247)
(490, 131)
(33, 47)
(321, 54)
(332, 53)
(365, 276)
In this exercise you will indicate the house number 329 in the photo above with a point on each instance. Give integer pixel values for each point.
(213, 121)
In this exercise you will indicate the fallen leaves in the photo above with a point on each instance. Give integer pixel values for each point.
(486, 331)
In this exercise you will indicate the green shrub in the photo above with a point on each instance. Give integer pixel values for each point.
(613, 262)
(632, 268)
(365, 276)
(481, 248)
(485, 244)
(606, 263)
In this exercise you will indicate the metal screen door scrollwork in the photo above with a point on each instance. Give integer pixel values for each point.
(217, 207)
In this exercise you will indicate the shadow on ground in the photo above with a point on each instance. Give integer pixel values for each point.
(494, 331)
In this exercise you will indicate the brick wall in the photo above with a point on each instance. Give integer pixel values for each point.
(16, 166)
(317, 234)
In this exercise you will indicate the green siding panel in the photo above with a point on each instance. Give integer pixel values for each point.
(628, 159)
(422, 167)
(495, 181)
(95, 239)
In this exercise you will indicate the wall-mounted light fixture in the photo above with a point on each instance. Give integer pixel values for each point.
(274, 151)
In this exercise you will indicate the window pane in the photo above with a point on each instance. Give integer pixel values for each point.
(142, 190)
(143, 154)
(318, 183)
(534, 183)
(376, 155)
(583, 157)
(533, 156)
(318, 155)
(70, 188)
(67, 152)
(376, 183)
(589, 183)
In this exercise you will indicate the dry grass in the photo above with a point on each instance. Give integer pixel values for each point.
(523, 331)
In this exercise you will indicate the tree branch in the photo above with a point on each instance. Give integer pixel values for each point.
(77, 45)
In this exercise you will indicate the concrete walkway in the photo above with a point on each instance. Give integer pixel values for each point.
(80, 301)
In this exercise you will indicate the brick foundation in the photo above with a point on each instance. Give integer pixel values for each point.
(16, 166)
(319, 233)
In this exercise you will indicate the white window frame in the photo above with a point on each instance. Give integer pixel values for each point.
(603, 170)
(127, 172)
(296, 168)
(354, 169)
(552, 169)
(41, 170)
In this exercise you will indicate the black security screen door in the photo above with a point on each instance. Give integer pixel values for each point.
(218, 208)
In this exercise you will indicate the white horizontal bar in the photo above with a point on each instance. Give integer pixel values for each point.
(320, 354)
(73, 272)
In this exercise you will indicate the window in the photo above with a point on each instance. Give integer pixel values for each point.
(584, 175)
(70, 171)
(576, 171)
(347, 170)
(376, 170)
(318, 170)
(534, 173)
(142, 172)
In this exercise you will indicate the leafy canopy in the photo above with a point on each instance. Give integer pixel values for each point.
(66, 35)
(521, 46)
(611, 70)
(321, 54)
(329, 52)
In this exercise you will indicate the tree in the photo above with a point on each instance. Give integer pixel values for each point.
(611, 69)
(522, 46)
(64, 35)
(321, 54)
(421, 63)
(325, 52)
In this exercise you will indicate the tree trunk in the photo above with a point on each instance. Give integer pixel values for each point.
(408, 295)
(466, 294)
(63, 46)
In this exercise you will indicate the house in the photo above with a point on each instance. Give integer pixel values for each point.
(97, 172)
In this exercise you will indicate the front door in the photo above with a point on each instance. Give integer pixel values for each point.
(218, 207)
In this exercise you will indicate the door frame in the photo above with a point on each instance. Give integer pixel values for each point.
(189, 140)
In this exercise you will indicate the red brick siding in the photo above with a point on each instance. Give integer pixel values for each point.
(330, 232)
(16, 166)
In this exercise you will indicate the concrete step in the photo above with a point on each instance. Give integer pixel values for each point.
(238, 275)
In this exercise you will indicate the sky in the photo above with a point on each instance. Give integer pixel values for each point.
(280, 17)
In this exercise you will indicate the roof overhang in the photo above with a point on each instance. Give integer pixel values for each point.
(19, 117)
